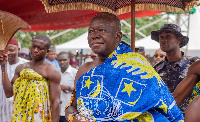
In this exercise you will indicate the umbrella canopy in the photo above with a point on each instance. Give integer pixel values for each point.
(34, 13)
(121, 6)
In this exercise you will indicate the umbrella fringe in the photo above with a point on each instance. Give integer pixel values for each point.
(96, 7)
(74, 6)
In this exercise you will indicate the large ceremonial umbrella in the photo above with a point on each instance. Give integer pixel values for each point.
(120, 6)
(34, 13)
(9, 24)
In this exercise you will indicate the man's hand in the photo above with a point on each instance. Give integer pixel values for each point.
(3, 57)
(80, 118)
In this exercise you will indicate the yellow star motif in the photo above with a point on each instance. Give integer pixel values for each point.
(87, 83)
(128, 88)
(163, 107)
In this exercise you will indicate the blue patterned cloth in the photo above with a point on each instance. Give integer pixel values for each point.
(124, 88)
(172, 73)
(54, 62)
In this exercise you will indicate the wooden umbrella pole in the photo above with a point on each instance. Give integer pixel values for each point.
(133, 25)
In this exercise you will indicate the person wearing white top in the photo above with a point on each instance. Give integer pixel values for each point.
(67, 82)
(6, 104)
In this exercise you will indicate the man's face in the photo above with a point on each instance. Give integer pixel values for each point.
(102, 37)
(159, 55)
(38, 49)
(63, 61)
(168, 42)
(12, 52)
(51, 56)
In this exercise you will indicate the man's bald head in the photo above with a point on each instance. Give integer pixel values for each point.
(108, 18)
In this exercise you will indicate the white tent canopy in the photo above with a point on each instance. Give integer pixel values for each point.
(74, 45)
(194, 40)
(150, 45)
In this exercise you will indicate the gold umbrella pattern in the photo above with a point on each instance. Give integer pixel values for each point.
(9, 24)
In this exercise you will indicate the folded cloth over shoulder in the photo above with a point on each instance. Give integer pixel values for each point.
(125, 88)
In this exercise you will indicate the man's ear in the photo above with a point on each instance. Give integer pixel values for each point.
(119, 36)
(179, 40)
(48, 50)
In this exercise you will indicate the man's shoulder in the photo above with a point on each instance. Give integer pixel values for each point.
(49, 66)
(52, 71)
(191, 59)
(73, 69)
(22, 66)
(159, 64)
(85, 68)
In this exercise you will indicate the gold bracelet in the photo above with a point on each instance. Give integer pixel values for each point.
(66, 107)
(71, 116)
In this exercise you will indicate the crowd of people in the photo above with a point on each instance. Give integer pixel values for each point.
(114, 84)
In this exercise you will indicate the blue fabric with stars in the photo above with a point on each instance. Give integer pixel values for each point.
(125, 88)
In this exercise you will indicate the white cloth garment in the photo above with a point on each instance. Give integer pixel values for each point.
(67, 79)
(6, 104)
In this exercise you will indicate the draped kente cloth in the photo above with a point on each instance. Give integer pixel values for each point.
(124, 88)
(31, 98)
(195, 92)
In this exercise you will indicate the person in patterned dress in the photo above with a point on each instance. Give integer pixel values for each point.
(35, 86)
(119, 85)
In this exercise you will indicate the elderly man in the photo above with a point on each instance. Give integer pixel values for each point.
(119, 85)
(35, 86)
(6, 104)
(173, 69)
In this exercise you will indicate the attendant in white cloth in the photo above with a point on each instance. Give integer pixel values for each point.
(6, 104)
(67, 82)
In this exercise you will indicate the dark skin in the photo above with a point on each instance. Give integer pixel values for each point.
(193, 111)
(103, 39)
(170, 44)
(51, 56)
(44, 68)
(185, 87)
(10, 54)
(63, 61)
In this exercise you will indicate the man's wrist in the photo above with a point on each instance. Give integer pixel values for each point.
(3, 66)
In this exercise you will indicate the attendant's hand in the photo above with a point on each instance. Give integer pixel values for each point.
(77, 117)
(80, 118)
(3, 57)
